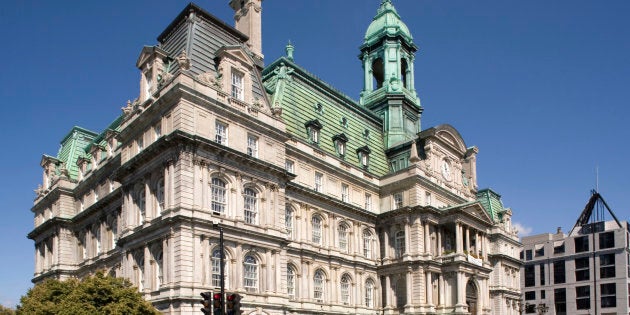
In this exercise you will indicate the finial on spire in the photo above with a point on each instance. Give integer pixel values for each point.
(289, 49)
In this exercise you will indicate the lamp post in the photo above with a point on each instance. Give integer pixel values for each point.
(222, 265)
(542, 308)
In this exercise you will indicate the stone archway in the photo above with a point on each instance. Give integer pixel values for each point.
(472, 294)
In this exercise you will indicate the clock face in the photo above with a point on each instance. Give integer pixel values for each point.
(446, 170)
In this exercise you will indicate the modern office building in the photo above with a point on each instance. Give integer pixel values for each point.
(584, 272)
(328, 205)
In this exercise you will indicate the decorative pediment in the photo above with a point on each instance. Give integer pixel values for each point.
(477, 211)
(236, 53)
(148, 54)
(446, 136)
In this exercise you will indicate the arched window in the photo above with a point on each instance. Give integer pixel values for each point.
(367, 244)
(141, 203)
(316, 223)
(216, 269)
(291, 282)
(139, 268)
(318, 286)
(96, 234)
(159, 195)
(251, 208)
(218, 198)
(250, 273)
(342, 234)
(369, 293)
(288, 221)
(399, 244)
(404, 68)
(158, 267)
(345, 290)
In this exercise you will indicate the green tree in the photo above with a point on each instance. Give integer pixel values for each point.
(6, 311)
(98, 294)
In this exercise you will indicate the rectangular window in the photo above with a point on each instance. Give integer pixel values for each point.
(540, 251)
(607, 266)
(542, 295)
(581, 244)
(530, 295)
(530, 308)
(582, 270)
(140, 143)
(558, 248)
(345, 191)
(368, 202)
(289, 166)
(560, 298)
(157, 129)
(528, 254)
(237, 86)
(220, 133)
(398, 200)
(609, 295)
(530, 276)
(558, 272)
(606, 240)
(542, 274)
(427, 199)
(583, 297)
(319, 182)
(252, 145)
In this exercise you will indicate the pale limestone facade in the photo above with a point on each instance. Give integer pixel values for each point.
(306, 232)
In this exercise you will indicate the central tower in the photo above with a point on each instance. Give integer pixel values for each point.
(387, 54)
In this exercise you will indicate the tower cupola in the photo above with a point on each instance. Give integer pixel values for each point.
(387, 55)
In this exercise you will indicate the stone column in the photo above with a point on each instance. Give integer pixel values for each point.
(461, 289)
(438, 231)
(386, 243)
(429, 288)
(441, 293)
(388, 292)
(409, 287)
(467, 235)
(427, 239)
(458, 237)
(407, 238)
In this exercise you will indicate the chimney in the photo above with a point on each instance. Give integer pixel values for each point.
(247, 19)
(559, 231)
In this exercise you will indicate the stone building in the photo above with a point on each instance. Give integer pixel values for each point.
(584, 272)
(328, 205)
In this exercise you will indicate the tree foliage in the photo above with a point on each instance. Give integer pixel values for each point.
(98, 294)
(6, 311)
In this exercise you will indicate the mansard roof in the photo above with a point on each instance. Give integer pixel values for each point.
(304, 97)
(73, 147)
(491, 202)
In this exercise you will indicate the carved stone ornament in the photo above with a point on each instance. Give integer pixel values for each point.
(127, 109)
(183, 61)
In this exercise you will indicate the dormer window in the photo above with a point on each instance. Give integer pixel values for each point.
(313, 128)
(340, 141)
(364, 156)
(319, 108)
(237, 86)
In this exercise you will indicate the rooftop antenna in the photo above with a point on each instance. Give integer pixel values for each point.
(596, 178)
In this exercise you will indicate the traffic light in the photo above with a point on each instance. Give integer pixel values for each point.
(233, 304)
(216, 304)
(206, 302)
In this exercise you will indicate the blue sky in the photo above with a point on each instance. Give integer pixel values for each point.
(541, 87)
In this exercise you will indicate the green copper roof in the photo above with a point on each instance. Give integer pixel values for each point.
(72, 147)
(308, 101)
(491, 201)
(387, 22)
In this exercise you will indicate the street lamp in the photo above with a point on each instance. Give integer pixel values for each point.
(542, 308)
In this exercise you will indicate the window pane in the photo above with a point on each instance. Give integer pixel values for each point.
(250, 211)
(218, 191)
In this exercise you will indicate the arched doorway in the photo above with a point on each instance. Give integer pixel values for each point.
(471, 297)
